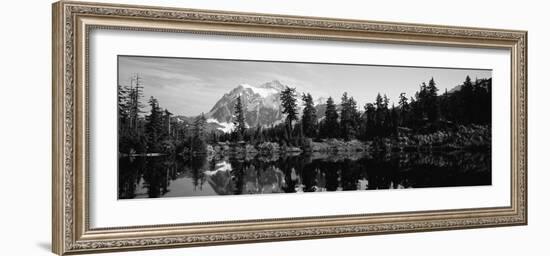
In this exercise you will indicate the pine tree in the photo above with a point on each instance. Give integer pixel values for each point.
(381, 104)
(153, 126)
(309, 116)
(198, 144)
(404, 108)
(288, 101)
(432, 89)
(240, 125)
(432, 104)
(330, 126)
(386, 101)
(199, 126)
(368, 121)
(167, 122)
(394, 117)
(123, 106)
(403, 102)
(467, 94)
(135, 106)
(348, 117)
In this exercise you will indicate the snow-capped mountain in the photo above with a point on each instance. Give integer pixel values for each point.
(262, 105)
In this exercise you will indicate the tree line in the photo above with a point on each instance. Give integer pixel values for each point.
(156, 131)
(424, 112)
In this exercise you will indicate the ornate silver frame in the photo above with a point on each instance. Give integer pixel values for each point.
(72, 21)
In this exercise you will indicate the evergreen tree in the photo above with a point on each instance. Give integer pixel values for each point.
(198, 144)
(348, 117)
(330, 124)
(167, 122)
(379, 102)
(240, 125)
(482, 101)
(153, 126)
(123, 106)
(403, 102)
(404, 108)
(445, 106)
(199, 126)
(394, 117)
(386, 101)
(381, 120)
(309, 116)
(288, 101)
(467, 94)
(368, 120)
(432, 104)
(432, 89)
(416, 111)
(135, 94)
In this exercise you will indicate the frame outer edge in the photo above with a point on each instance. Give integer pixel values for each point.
(57, 129)
(66, 241)
(525, 80)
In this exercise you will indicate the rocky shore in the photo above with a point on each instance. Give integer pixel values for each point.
(461, 137)
(270, 148)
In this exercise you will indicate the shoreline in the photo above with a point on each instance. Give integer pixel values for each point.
(462, 138)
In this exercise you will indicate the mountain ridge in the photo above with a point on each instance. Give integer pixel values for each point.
(262, 105)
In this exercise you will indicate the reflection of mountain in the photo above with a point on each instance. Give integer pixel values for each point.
(155, 176)
(220, 179)
(246, 179)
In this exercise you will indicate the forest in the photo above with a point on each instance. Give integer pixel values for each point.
(460, 117)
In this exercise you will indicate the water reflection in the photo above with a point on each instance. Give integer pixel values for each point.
(174, 176)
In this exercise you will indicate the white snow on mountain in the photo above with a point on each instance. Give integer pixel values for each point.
(264, 92)
(320, 101)
(226, 126)
(262, 105)
(220, 167)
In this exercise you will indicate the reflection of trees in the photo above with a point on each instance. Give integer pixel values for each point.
(154, 176)
(428, 169)
(292, 167)
(197, 164)
(305, 173)
(311, 175)
(129, 174)
(256, 177)
(332, 175)
(348, 174)
(380, 171)
(270, 180)
(386, 170)
(237, 173)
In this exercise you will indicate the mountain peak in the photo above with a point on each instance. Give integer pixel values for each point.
(275, 84)
(263, 91)
(320, 101)
(262, 105)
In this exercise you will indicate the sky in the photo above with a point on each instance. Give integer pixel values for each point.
(189, 87)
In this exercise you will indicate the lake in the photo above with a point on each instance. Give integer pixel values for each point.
(176, 176)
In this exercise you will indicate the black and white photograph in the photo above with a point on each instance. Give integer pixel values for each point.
(210, 127)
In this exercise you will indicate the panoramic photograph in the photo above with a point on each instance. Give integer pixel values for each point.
(211, 127)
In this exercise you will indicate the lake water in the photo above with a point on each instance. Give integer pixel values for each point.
(174, 176)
